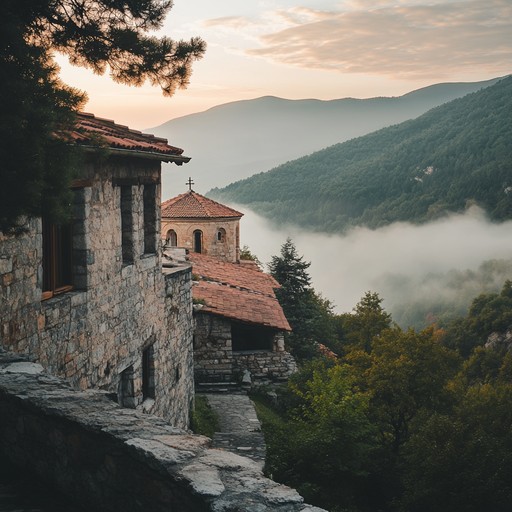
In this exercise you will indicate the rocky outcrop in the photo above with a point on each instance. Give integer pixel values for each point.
(500, 340)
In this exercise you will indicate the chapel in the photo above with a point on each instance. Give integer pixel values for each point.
(202, 226)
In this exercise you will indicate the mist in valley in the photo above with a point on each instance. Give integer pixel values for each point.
(424, 273)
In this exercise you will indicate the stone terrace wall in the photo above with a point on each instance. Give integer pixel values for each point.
(95, 335)
(109, 459)
(265, 367)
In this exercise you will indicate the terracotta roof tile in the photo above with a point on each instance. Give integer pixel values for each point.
(234, 291)
(232, 274)
(193, 205)
(94, 131)
(240, 305)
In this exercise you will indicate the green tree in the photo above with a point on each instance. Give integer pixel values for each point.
(407, 374)
(297, 299)
(291, 272)
(309, 314)
(368, 320)
(36, 106)
(329, 439)
(492, 312)
(246, 254)
(462, 461)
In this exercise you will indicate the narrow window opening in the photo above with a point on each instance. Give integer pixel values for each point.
(57, 259)
(148, 373)
(221, 235)
(150, 234)
(198, 241)
(127, 223)
(171, 239)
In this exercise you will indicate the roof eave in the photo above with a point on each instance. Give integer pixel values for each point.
(149, 155)
(202, 218)
(207, 311)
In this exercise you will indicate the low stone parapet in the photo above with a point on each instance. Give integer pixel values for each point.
(109, 458)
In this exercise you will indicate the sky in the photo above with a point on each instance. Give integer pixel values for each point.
(322, 49)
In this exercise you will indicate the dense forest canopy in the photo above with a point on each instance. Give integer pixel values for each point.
(394, 420)
(453, 156)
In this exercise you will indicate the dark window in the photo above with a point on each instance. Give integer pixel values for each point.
(127, 223)
(150, 234)
(251, 337)
(148, 372)
(221, 235)
(57, 258)
(198, 241)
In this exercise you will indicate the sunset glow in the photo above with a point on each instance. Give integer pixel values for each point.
(314, 49)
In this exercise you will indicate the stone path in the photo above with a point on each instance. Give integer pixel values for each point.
(240, 429)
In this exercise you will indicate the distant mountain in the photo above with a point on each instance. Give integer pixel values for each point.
(454, 156)
(236, 140)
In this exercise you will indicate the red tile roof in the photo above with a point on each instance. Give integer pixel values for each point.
(192, 205)
(93, 131)
(236, 292)
(232, 274)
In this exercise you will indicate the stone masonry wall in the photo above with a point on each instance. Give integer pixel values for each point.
(215, 361)
(179, 368)
(265, 367)
(227, 250)
(213, 356)
(107, 458)
(95, 334)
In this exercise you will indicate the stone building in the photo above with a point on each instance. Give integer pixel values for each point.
(201, 225)
(240, 324)
(89, 300)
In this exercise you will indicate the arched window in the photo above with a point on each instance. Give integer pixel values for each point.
(221, 235)
(198, 241)
(171, 239)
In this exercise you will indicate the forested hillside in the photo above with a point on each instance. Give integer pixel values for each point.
(239, 139)
(389, 419)
(453, 156)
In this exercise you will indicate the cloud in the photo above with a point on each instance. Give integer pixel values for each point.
(403, 40)
(404, 263)
(232, 22)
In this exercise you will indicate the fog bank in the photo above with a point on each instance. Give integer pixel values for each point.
(402, 262)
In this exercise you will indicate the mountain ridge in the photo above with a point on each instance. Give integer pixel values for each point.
(453, 156)
(241, 138)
